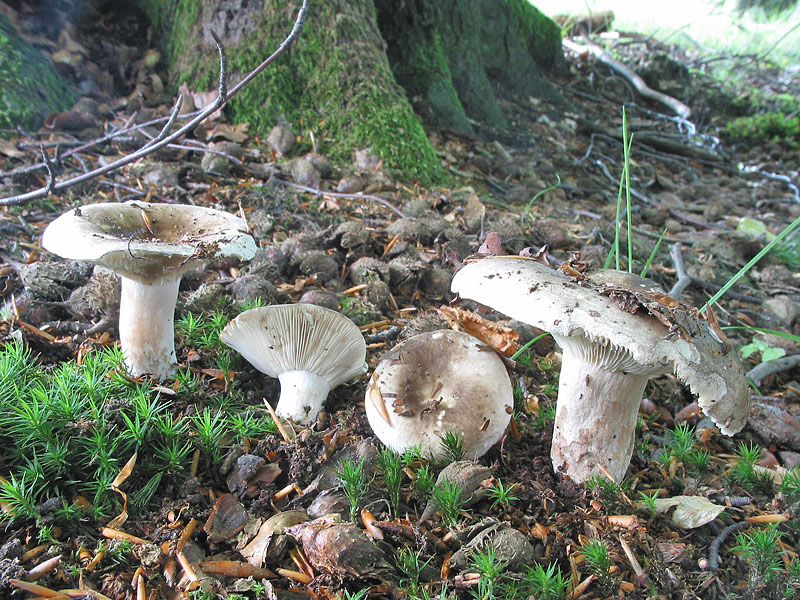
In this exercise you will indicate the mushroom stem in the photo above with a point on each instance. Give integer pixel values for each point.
(595, 423)
(146, 325)
(302, 396)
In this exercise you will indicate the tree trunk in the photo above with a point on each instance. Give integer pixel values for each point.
(452, 57)
(31, 87)
(455, 57)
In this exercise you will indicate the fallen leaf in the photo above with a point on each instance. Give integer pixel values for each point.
(502, 338)
(232, 133)
(8, 148)
(690, 511)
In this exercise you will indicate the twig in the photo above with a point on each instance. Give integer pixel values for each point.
(317, 192)
(776, 365)
(172, 117)
(51, 178)
(222, 97)
(684, 279)
(713, 549)
(637, 82)
(385, 335)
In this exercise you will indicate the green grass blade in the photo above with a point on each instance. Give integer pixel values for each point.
(626, 149)
(730, 283)
(519, 352)
(614, 253)
(783, 334)
(653, 254)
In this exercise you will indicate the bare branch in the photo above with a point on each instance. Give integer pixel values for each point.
(51, 177)
(168, 124)
(312, 190)
(153, 145)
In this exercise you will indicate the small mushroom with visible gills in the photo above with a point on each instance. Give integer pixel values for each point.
(150, 246)
(616, 331)
(438, 382)
(309, 348)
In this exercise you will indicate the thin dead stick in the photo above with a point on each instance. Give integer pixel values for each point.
(636, 81)
(776, 365)
(223, 95)
(684, 279)
(281, 429)
(311, 190)
(637, 568)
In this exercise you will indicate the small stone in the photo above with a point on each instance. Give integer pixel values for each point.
(220, 163)
(54, 280)
(789, 459)
(320, 298)
(268, 263)
(281, 139)
(435, 282)
(317, 262)
(351, 184)
(162, 178)
(783, 308)
(340, 548)
(509, 545)
(468, 475)
(366, 160)
(351, 234)
(250, 287)
(368, 269)
(228, 517)
(329, 502)
(205, 298)
(304, 173)
(321, 163)
(98, 298)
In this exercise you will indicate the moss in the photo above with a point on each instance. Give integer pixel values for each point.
(541, 32)
(426, 74)
(174, 20)
(31, 88)
(343, 92)
(777, 120)
(769, 126)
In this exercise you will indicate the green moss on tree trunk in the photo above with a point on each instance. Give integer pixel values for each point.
(31, 88)
(453, 55)
(335, 81)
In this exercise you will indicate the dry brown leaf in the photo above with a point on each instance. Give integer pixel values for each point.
(8, 148)
(232, 133)
(502, 338)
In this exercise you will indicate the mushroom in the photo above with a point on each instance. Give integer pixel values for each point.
(149, 246)
(438, 382)
(616, 331)
(309, 348)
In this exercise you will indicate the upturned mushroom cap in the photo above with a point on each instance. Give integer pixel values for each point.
(311, 349)
(437, 382)
(149, 246)
(145, 241)
(616, 331)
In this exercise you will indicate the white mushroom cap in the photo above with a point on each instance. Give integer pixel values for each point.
(437, 382)
(150, 246)
(309, 348)
(145, 241)
(609, 354)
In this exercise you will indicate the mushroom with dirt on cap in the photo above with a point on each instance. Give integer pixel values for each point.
(150, 246)
(616, 331)
(309, 348)
(438, 382)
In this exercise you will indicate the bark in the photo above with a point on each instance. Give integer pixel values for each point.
(456, 57)
(340, 81)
